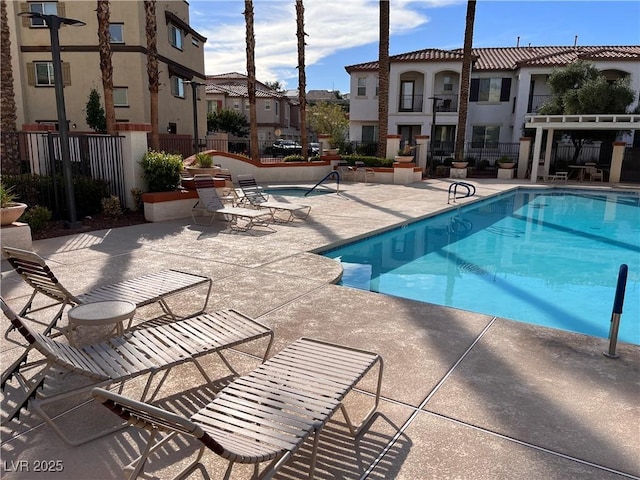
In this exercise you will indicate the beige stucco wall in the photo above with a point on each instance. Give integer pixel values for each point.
(129, 67)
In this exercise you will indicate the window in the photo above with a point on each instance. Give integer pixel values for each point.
(195, 42)
(362, 86)
(448, 84)
(236, 105)
(267, 104)
(177, 87)
(116, 31)
(120, 97)
(369, 133)
(377, 87)
(490, 90)
(276, 104)
(406, 96)
(247, 105)
(46, 8)
(485, 136)
(175, 36)
(44, 73)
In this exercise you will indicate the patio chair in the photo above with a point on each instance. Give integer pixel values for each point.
(594, 173)
(140, 352)
(142, 291)
(363, 171)
(264, 416)
(254, 195)
(346, 171)
(210, 204)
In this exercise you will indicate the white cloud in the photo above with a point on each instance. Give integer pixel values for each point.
(331, 25)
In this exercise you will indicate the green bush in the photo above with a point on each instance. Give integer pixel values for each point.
(138, 204)
(161, 171)
(37, 217)
(368, 161)
(293, 158)
(204, 160)
(40, 190)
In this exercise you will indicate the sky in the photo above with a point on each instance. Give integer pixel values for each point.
(345, 32)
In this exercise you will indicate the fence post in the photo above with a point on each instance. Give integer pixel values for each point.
(134, 146)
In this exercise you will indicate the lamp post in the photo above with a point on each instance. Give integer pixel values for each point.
(433, 130)
(53, 23)
(194, 89)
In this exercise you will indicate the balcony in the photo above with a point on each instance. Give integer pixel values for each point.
(536, 102)
(447, 103)
(410, 103)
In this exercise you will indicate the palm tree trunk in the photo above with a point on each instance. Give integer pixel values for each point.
(251, 80)
(302, 79)
(151, 30)
(9, 149)
(464, 81)
(383, 80)
(106, 67)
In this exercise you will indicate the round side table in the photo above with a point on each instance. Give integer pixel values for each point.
(100, 313)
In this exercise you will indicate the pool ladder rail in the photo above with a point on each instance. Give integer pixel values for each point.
(326, 177)
(453, 191)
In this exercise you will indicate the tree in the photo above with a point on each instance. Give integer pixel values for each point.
(95, 118)
(383, 80)
(275, 85)
(228, 120)
(151, 30)
(302, 78)
(251, 79)
(106, 67)
(580, 88)
(463, 104)
(9, 148)
(329, 119)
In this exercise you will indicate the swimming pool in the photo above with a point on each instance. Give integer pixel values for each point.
(296, 191)
(549, 257)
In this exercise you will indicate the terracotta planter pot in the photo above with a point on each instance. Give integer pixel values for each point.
(10, 214)
(202, 170)
(403, 158)
(460, 164)
(507, 165)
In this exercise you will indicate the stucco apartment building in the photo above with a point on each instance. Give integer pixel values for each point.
(180, 56)
(506, 84)
(277, 115)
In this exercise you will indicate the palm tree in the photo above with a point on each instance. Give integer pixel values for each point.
(9, 150)
(464, 81)
(106, 67)
(383, 80)
(251, 80)
(302, 78)
(151, 30)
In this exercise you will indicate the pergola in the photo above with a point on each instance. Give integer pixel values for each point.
(577, 122)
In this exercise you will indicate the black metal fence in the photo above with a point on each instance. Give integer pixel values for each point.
(95, 156)
(476, 153)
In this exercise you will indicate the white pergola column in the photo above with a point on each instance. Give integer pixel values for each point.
(537, 148)
(616, 162)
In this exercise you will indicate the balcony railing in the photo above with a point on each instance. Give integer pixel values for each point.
(410, 103)
(536, 102)
(447, 103)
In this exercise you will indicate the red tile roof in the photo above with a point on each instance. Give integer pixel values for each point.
(240, 90)
(512, 58)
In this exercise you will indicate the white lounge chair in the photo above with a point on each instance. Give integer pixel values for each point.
(263, 417)
(253, 195)
(210, 204)
(140, 352)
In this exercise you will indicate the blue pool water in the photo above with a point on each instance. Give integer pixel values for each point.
(547, 257)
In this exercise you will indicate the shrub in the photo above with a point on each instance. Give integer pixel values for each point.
(161, 171)
(7, 197)
(37, 217)
(111, 206)
(293, 158)
(204, 160)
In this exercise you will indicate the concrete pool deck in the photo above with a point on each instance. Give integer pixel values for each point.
(466, 395)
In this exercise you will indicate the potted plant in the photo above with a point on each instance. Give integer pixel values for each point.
(203, 164)
(10, 210)
(506, 162)
(405, 154)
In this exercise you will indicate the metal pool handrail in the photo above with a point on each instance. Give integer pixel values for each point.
(471, 191)
(337, 175)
